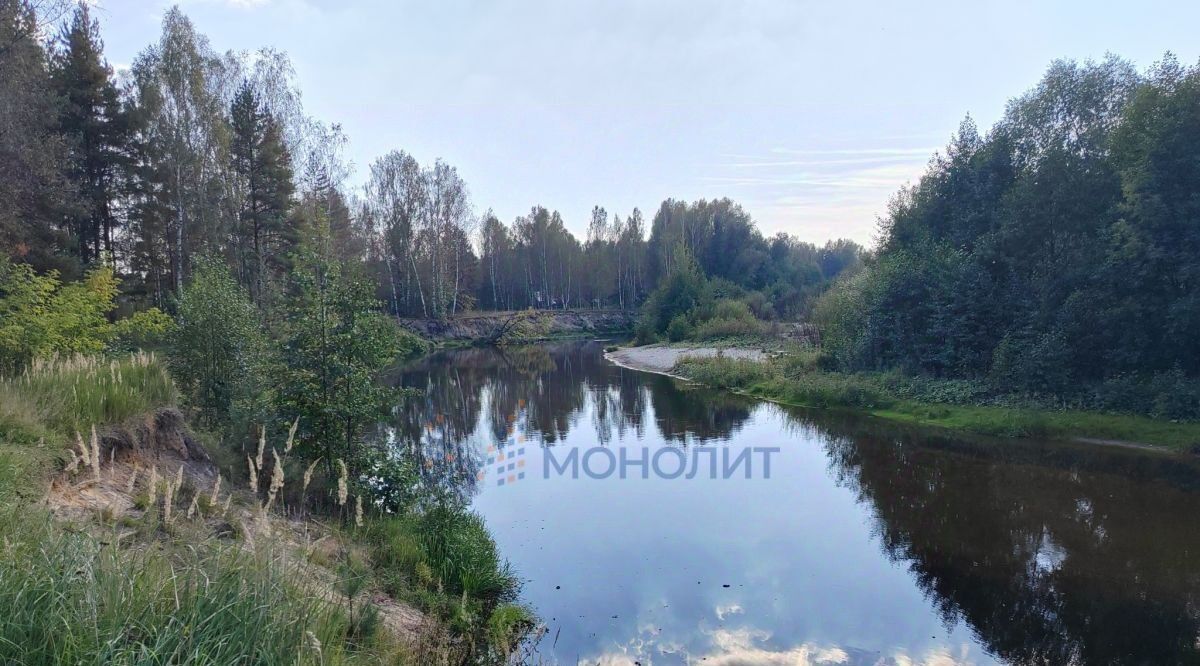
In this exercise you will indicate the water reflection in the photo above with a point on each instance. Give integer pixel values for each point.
(873, 544)
(1052, 554)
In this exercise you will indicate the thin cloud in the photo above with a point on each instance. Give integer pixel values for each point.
(832, 191)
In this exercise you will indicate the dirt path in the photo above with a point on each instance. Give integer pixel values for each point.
(661, 359)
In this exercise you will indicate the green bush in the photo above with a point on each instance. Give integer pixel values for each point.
(218, 351)
(508, 624)
(679, 329)
(41, 317)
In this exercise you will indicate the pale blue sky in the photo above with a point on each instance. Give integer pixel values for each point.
(809, 114)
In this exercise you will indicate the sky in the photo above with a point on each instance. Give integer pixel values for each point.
(809, 114)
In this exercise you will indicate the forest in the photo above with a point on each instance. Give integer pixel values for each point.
(193, 154)
(1056, 254)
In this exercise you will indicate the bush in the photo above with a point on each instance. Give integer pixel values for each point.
(679, 328)
(218, 352)
(508, 624)
(1035, 363)
(730, 319)
(681, 292)
(840, 316)
(40, 317)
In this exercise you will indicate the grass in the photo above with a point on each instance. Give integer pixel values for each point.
(64, 598)
(42, 408)
(68, 395)
(444, 561)
(795, 379)
(128, 590)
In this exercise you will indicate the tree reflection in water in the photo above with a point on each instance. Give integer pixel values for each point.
(1051, 554)
(479, 397)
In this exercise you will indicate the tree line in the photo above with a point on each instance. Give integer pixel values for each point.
(193, 153)
(1057, 254)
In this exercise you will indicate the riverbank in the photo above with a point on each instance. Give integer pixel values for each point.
(484, 327)
(141, 505)
(794, 379)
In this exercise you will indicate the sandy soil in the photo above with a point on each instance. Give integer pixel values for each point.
(660, 358)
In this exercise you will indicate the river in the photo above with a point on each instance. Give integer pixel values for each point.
(659, 523)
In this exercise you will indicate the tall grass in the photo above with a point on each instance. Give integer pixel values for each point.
(72, 394)
(91, 596)
(445, 561)
(65, 598)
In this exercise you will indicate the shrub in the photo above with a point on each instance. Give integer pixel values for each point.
(679, 328)
(1035, 363)
(41, 317)
(508, 624)
(218, 352)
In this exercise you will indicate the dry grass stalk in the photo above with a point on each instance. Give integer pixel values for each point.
(179, 478)
(85, 454)
(74, 464)
(314, 643)
(308, 473)
(168, 500)
(253, 475)
(132, 481)
(215, 495)
(225, 507)
(343, 483)
(192, 507)
(358, 512)
(276, 480)
(153, 488)
(95, 455)
(291, 438)
(262, 445)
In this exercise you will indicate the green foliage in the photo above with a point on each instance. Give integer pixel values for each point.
(976, 406)
(65, 598)
(1053, 254)
(96, 129)
(679, 328)
(444, 560)
(683, 290)
(336, 344)
(508, 624)
(40, 317)
(262, 165)
(219, 354)
(729, 319)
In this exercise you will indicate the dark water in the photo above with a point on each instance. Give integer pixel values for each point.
(868, 543)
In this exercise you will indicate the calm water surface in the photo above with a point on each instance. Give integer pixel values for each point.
(868, 544)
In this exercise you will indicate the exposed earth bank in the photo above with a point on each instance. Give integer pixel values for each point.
(482, 326)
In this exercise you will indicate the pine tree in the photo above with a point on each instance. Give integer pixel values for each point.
(32, 190)
(95, 130)
(263, 237)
